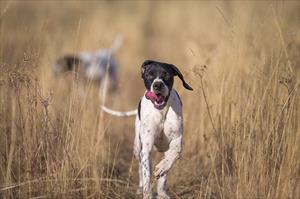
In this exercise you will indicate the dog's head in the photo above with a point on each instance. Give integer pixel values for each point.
(159, 78)
(66, 63)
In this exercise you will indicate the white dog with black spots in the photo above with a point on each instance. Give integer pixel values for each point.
(158, 124)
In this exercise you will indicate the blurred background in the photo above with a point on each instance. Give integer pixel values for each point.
(241, 137)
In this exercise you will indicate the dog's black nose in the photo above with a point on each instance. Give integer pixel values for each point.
(158, 86)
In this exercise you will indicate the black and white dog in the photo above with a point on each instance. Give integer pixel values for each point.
(158, 124)
(92, 65)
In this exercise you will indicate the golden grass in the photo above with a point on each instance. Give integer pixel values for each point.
(242, 129)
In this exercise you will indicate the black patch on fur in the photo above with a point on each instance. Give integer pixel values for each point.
(72, 62)
(152, 69)
(139, 110)
(68, 63)
(179, 98)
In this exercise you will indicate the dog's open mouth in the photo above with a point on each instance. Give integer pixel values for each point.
(158, 100)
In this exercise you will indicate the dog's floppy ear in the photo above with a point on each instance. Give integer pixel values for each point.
(144, 65)
(178, 73)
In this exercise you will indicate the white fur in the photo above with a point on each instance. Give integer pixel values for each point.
(163, 130)
(118, 113)
(158, 125)
(160, 129)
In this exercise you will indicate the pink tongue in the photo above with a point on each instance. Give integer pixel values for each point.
(151, 96)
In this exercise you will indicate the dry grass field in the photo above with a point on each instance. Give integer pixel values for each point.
(242, 121)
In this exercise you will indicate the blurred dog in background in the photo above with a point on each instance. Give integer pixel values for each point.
(92, 66)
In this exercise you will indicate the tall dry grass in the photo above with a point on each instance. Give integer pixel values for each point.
(242, 129)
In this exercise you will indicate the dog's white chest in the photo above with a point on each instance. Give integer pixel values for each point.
(166, 123)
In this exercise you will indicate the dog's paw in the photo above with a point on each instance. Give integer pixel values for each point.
(162, 167)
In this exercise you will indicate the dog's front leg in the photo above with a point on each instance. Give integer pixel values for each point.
(161, 187)
(171, 156)
(162, 168)
(147, 141)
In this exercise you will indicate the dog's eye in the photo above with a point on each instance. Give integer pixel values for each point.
(166, 77)
(150, 76)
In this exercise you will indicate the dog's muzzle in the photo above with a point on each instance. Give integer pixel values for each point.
(158, 86)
